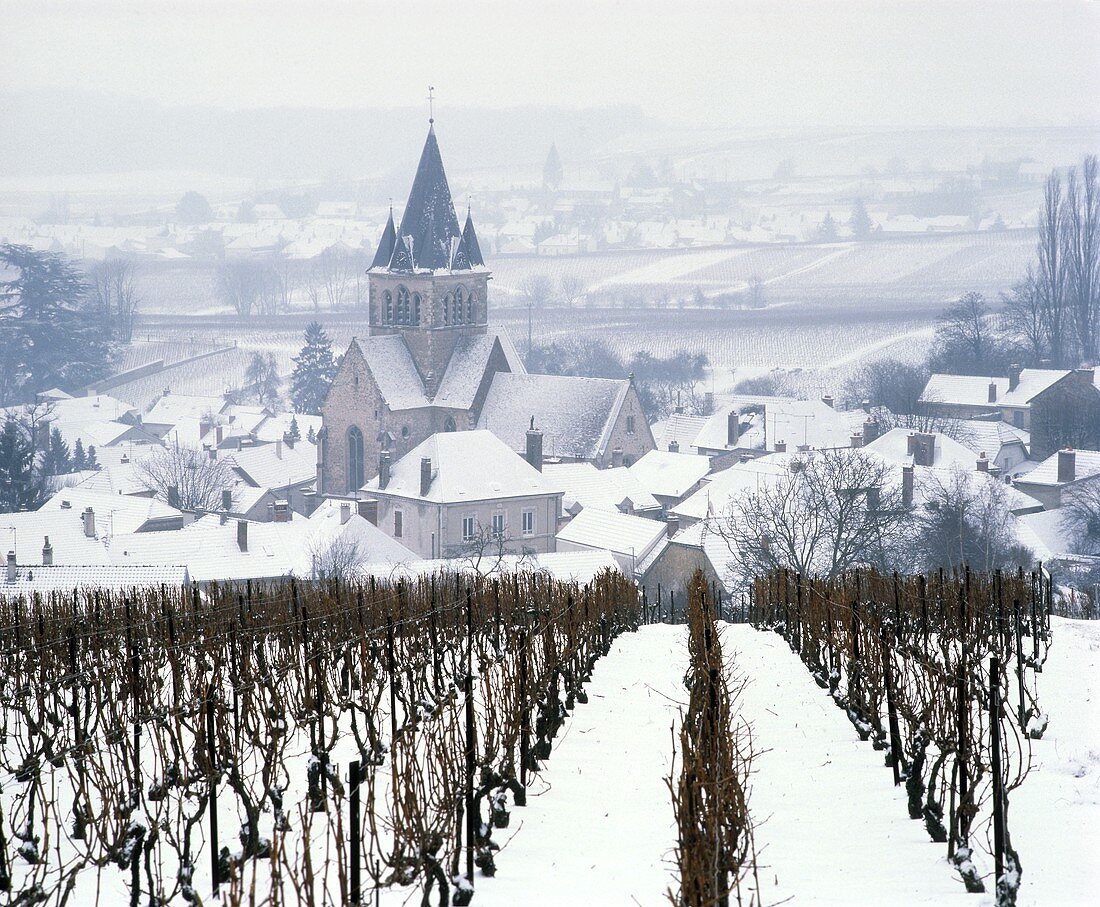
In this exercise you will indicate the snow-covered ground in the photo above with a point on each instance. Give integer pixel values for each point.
(831, 827)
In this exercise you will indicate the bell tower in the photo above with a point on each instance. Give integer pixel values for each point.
(428, 281)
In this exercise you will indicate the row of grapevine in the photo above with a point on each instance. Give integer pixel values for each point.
(715, 853)
(196, 740)
(938, 672)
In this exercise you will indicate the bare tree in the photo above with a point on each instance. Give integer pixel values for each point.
(965, 333)
(572, 287)
(278, 280)
(484, 551)
(331, 276)
(1082, 513)
(114, 292)
(832, 511)
(241, 283)
(1052, 273)
(965, 520)
(536, 289)
(1025, 316)
(1081, 250)
(187, 478)
(337, 557)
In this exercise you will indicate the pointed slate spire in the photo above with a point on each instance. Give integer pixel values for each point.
(429, 216)
(402, 259)
(469, 240)
(385, 245)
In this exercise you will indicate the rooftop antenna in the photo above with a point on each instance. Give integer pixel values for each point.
(431, 104)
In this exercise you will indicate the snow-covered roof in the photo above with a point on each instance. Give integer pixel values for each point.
(115, 513)
(670, 474)
(1033, 381)
(575, 415)
(567, 566)
(466, 466)
(978, 436)
(171, 409)
(679, 427)
(25, 534)
(210, 548)
(276, 465)
(465, 371)
(1047, 533)
(729, 483)
(1086, 465)
(65, 578)
(963, 390)
(604, 489)
(619, 533)
(276, 426)
(394, 371)
(894, 446)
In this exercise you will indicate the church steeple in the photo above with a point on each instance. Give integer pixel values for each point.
(429, 223)
(385, 245)
(469, 239)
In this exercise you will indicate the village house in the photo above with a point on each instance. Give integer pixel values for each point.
(466, 495)
(431, 363)
(1061, 471)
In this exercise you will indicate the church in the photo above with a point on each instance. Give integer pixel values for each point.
(433, 363)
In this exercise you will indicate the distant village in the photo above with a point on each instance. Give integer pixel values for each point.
(433, 445)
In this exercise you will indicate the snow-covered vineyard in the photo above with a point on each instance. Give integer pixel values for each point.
(456, 739)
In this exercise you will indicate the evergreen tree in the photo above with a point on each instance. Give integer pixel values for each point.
(860, 221)
(80, 458)
(92, 463)
(51, 336)
(295, 434)
(314, 371)
(826, 230)
(21, 484)
(57, 460)
(311, 435)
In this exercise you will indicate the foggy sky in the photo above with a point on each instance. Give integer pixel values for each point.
(749, 64)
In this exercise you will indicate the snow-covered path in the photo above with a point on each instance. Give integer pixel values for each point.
(831, 828)
(598, 828)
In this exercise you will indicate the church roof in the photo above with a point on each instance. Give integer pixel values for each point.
(576, 415)
(473, 247)
(429, 226)
(385, 245)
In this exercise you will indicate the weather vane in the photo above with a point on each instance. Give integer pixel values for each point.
(431, 100)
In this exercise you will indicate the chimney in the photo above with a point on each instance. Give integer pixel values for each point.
(857, 439)
(242, 535)
(873, 498)
(282, 511)
(780, 446)
(673, 446)
(425, 476)
(870, 430)
(672, 525)
(383, 469)
(89, 522)
(828, 400)
(983, 462)
(616, 457)
(345, 512)
(227, 499)
(368, 510)
(708, 401)
(922, 448)
(219, 435)
(278, 448)
(803, 448)
(47, 553)
(1067, 465)
(534, 446)
(907, 484)
(13, 571)
(1014, 376)
(992, 391)
(733, 428)
(212, 452)
(310, 500)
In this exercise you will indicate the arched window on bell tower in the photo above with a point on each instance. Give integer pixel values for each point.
(355, 459)
(448, 304)
(460, 306)
(387, 308)
(471, 308)
(416, 309)
(402, 305)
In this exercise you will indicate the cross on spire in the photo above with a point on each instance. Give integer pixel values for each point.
(431, 103)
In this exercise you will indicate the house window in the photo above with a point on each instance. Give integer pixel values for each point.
(355, 459)
(630, 425)
(398, 523)
(528, 522)
(468, 530)
(498, 524)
